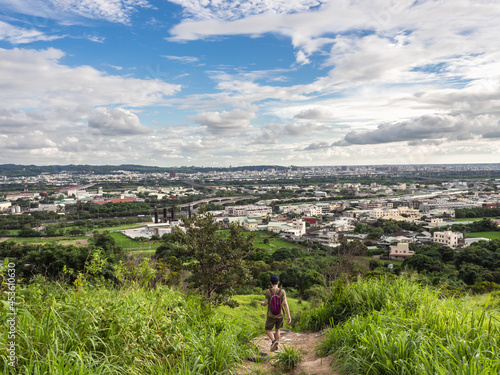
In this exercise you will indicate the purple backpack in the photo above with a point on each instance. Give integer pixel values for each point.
(275, 303)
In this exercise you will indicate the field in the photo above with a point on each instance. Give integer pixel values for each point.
(272, 242)
(490, 235)
(129, 244)
(474, 218)
(46, 240)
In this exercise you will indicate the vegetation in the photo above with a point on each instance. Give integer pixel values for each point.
(133, 330)
(477, 212)
(395, 326)
(287, 358)
(218, 263)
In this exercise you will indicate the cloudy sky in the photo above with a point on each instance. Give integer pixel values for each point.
(236, 82)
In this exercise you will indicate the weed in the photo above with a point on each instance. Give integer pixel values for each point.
(287, 358)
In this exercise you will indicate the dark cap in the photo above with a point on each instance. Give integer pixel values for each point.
(274, 279)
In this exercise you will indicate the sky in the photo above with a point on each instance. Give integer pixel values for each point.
(262, 82)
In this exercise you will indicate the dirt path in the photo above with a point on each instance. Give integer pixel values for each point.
(307, 342)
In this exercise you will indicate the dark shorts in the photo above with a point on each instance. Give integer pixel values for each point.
(271, 322)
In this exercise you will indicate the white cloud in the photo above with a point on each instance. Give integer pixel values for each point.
(316, 113)
(301, 58)
(36, 79)
(235, 9)
(18, 35)
(119, 11)
(230, 124)
(273, 133)
(182, 59)
(116, 122)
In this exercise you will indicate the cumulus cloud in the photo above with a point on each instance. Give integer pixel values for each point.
(460, 127)
(271, 133)
(230, 124)
(31, 140)
(116, 122)
(37, 79)
(316, 113)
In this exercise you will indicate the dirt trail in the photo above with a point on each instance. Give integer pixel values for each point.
(307, 342)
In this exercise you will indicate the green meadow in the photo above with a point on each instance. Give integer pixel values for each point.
(490, 235)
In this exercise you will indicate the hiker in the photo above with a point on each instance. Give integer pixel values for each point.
(275, 318)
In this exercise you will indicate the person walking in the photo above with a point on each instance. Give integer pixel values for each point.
(276, 306)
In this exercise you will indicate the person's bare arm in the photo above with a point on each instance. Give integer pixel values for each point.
(265, 303)
(285, 303)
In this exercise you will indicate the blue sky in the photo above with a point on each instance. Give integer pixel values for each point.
(219, 83)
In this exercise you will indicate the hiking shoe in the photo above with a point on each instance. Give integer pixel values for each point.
(274, 345)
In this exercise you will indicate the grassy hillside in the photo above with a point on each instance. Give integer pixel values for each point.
(398, 327)
(88, 330)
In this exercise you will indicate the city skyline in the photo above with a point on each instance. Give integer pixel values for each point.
(276, 82)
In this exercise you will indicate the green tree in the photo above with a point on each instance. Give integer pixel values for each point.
(219, 262)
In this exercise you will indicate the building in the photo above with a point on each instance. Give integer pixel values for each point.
(447, 238)
(400, 251)
(4, 206)
(249, 210)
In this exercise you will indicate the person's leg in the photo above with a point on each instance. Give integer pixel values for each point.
(270, 335)
(277, 334)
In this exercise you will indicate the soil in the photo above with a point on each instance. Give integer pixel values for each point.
(305, 341)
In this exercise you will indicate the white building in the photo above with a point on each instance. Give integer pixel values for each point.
(4, 206)
(447, 238)
(249, 210)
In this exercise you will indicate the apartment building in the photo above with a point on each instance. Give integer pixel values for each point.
(248, 210)
(447, 238)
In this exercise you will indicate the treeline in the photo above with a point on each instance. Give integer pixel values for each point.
(58, 262)
(77, 228)
(381, 227)
(468, 266)
(462, 213)
(484, 225)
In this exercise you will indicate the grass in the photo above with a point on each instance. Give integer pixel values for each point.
(490, 235)
(287, 358)
(252, 314)
(273, 244)
(475, 218)
(129, 244)
(143, 253)
(99, 330)
(398, 327)
(45, 240)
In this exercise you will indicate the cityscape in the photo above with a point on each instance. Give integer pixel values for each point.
(249, 187)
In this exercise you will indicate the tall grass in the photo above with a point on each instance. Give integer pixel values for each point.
(398, 327)
(132, 331)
